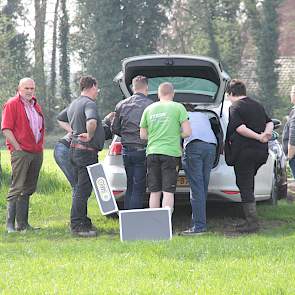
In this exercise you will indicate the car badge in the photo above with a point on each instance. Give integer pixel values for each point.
(103, 189)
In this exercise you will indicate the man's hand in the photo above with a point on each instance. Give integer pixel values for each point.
(264, 137)
(90, 128)
(84, 137)
(65, 125)
(10, 137)
(110, 116)
(247, 132)
(186, 129)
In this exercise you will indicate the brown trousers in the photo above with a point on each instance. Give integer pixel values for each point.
(25, 172)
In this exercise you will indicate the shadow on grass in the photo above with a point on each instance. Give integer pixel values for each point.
(51, 234)
(222, 217)
(217, 213)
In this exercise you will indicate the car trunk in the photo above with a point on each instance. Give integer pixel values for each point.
(197, 80)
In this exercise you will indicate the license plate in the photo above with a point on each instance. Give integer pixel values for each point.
(182, 181)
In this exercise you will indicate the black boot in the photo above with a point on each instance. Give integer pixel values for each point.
(243, 222)
(11, 212)
(22, 214)
(22, 211)
(251, 225)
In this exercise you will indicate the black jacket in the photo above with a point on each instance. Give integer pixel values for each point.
(127, 119)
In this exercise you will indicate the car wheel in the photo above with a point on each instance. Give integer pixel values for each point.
(283, 192)
(274, 191)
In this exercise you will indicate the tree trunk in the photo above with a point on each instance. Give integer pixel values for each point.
(213, 46)
(52, 83)
(64, 64)
(39, 75)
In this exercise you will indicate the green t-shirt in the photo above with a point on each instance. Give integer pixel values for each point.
(163, 123)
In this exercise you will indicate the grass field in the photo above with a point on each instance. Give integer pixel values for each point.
(51, 261)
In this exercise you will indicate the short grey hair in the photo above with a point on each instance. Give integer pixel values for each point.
(165, 88)
(23, 80)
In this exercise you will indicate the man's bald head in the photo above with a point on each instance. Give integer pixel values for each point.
(166, 91)
(26, 88)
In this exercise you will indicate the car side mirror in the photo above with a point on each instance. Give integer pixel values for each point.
(277, 123)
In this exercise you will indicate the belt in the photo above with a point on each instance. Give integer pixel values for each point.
(82, 147)
(65, 142)
(134, 147)
(199, 140)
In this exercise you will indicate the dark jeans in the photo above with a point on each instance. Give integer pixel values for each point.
(246, 167)
(83, 187)
(62, 159)
(197, 162)
(135, 167)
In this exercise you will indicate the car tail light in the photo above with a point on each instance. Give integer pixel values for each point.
(231, 192)
(117, 193)
(115, 148)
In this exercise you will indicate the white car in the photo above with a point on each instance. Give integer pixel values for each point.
(202, 82)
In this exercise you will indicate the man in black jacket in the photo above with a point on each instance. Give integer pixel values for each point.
(249, 130)
(126, 124)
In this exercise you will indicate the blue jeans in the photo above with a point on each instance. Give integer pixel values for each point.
(197, 162)
(292, 166)
(135, 167)
(62, 159)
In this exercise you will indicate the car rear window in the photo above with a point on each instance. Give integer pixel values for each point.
(185, 85)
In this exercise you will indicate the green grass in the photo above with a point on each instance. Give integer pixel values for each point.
(51, 261)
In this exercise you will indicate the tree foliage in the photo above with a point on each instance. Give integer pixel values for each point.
(263, 19)
(110, 30)
(210, 27)
(107, 31)
(14, 60)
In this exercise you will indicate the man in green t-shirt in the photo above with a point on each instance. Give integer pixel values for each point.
(163, 123)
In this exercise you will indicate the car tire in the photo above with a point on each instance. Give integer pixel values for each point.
(282, 192)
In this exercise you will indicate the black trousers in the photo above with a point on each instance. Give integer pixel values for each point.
(246, 167)
(82, 188)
